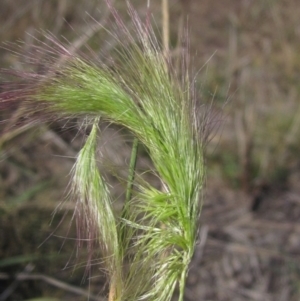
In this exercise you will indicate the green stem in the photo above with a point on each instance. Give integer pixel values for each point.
(124, 214)
(131, 172)
(182, 284)
(114, 292)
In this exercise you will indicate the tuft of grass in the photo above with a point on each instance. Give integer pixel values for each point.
(147, 249)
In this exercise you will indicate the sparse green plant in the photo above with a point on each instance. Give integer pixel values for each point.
(148, 247)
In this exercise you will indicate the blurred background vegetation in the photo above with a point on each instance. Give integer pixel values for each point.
(247, 59)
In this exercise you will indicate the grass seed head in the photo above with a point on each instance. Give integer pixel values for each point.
(141, 94)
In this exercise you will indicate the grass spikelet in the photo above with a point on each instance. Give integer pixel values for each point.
(94, 211)
(149, 247)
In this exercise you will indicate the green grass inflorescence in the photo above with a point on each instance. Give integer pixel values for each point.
(156, 234)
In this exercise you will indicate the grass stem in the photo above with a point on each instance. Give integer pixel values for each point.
(165, 26)
(131, 173)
